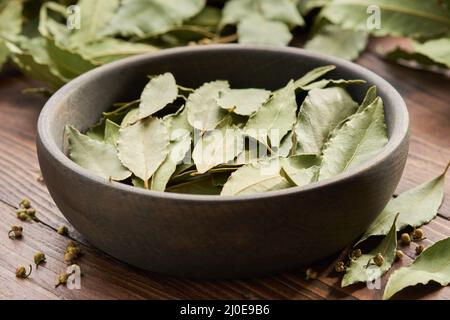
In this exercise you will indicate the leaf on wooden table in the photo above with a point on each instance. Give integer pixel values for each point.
(416, 19)
(284, 11)
(300, 170)
(363, 269)
(274, 120)
(108, 50)
(313, 75)
(416, 206)
(95, 15)
(321, 111)
(177, 152)
(202, 109)
(97, 157)
(336, 41)
(10, 25)
(143, 146)
(256, 178)
(151, 17)
(431, 266)
(158, 93)
(261, 31)
(432, 52)
(243, 101)
(357, 141)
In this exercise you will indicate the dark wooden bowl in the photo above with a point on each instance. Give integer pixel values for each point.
(213, 236)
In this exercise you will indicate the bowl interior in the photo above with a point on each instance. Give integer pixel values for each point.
(81, 102)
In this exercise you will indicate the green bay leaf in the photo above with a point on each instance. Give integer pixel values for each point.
(276, 118)
(358, 140)
(433, 265)
(95, 156)
(158, 93)
(258, 30)
(254, 178)
(416, 206)
(362, 270)
(320, 113)
(177, 152)
(243, 101)
(416, 19)
(338, 42)
(151, 17)
(143, 146)
(203, 111)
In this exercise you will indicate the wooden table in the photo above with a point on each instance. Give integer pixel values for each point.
(427, 96)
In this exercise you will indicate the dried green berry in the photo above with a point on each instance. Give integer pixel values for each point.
(356, 254)
(418, 234)
(311, 274)
(39, 258)
(419, 249)
(15, 232)
(405, 239)
(62, 279)
(398, 255)
(378, 259)
(339, 267)
(22, 215)
(25, 203)
(31, 212)
(63, 230)
(21, 272)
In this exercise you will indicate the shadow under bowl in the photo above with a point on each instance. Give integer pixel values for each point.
(212, 236)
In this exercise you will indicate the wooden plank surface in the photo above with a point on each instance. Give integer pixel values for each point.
(426, 94)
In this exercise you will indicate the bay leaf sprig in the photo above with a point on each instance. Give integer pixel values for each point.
(216, 139)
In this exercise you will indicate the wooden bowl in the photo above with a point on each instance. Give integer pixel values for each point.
(214, 236)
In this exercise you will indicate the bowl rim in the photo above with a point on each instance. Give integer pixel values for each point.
(399, 134)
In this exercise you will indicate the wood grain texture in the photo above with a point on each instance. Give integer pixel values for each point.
(426, 95)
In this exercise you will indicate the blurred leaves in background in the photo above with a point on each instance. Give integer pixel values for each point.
(43, 39)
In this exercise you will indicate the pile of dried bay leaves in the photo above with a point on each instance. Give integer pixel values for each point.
(218, 140)
(55, 41)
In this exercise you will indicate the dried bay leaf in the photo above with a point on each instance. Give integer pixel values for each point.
(199, 187)
(131, 117)
(10, 25)
(433, 265)
(274, 120)
(95, 15)
(144, 17)
(320, 113)
(358, 140)
(300, 170)
(254, 178)
(111, 132)
(178, 125)
(261, 31)
(362, 270)
(339, 42)
(98, 157)
(143, 146)
(313, 75)
(218, 147)
(417, 19)
(158, 93)
(321, 84)
(243, 101)
(203, 111)
(369, 98)
(416, 206)
(177, 152)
